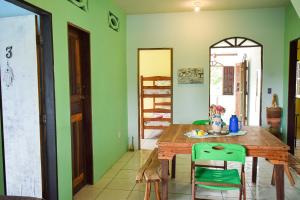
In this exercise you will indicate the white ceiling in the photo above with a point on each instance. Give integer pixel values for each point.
(164, 6)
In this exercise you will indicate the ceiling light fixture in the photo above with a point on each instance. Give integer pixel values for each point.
(197, 6)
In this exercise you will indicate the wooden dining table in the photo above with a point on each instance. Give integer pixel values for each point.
(257, 141)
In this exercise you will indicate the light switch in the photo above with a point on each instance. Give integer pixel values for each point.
(269, 90)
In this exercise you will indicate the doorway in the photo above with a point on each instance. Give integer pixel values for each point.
(81, 115)
(26, 81)
(293, 121)
(236, 79)
(155, 92)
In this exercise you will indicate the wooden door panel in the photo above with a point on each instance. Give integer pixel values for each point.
(80, 111)
(77, 153)
(241, 91)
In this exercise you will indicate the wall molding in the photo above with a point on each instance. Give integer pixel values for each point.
(82, 4)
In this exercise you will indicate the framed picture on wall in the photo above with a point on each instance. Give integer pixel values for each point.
(190, 75)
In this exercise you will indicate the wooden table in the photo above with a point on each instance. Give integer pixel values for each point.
(258, 143)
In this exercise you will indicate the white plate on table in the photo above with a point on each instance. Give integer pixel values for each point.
(193, 134)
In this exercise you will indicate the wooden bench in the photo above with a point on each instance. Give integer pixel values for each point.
(149, 173)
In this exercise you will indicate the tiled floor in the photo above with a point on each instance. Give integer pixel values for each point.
(148, 143)
(119, 182)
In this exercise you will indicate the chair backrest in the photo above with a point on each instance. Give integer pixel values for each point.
(201, 122)
(218, 151)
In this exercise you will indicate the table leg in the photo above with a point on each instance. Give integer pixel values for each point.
(254, 169)
(173, 167)
(279, 181)
(164, 174)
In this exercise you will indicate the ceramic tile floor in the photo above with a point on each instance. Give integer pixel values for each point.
(119, 182)
(148, 144)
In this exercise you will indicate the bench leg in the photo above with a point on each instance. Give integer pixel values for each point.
(156, 188)
(147, 191)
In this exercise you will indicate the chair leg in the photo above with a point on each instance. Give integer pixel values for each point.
(193, 191)
(191, 173)
(289, 175)
(147, 192)
(244, 187)
(156, 188)
(193, 182)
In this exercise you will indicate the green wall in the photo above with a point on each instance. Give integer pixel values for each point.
(190, 35)
(109, 97)
(292, 32)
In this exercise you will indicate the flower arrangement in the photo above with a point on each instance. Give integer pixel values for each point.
(216, 109)
(215, 112)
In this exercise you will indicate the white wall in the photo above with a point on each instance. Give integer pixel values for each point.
(191, 35)
(20, 107)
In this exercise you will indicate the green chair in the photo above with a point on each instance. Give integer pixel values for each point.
(207, 122)
(202, 122)
(228, 179)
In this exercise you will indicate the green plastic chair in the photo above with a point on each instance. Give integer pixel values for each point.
(202, 122)
(227, 179)
(205, 122)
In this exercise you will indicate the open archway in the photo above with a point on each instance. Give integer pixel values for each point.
(236, 78)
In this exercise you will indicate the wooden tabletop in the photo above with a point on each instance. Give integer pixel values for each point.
(258, 142)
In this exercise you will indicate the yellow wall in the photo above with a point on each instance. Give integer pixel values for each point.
(155, 62)
(298, 51)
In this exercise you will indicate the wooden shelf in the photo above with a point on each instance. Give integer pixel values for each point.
(157, 78)
(157, 87)
(163, 104)
(157, 110)
(154, 127)
(157, 120)
(157, 95)
(160, 91)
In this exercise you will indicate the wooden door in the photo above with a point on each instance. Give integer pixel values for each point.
(241, 91)
(80, 108)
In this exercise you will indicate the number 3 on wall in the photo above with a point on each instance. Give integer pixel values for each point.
(9, 53)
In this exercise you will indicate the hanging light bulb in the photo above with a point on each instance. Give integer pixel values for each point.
(196, 6)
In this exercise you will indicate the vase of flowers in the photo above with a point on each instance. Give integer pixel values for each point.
(216, 121)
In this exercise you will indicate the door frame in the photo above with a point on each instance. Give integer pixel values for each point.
(138, 83)
(239, 45)
(48, 117)
(87, 117)
(291, 94)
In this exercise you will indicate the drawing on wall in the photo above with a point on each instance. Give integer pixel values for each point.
(190, 75)
(113, 21)
(82, 4)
